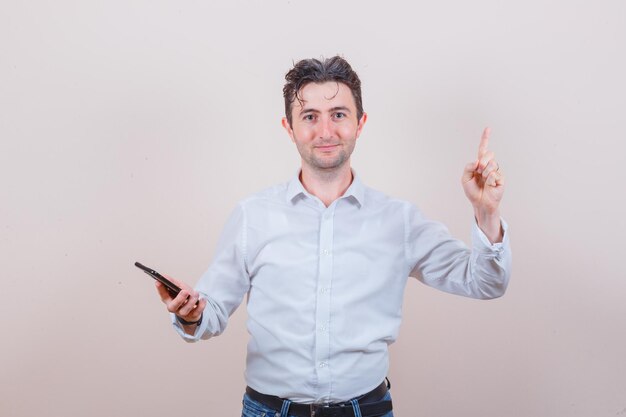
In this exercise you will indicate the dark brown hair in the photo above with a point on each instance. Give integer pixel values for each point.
(315, 71)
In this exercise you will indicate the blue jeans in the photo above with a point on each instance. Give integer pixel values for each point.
(253, 408)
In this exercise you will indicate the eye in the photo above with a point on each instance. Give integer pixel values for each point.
(308, 117)
(340, 115)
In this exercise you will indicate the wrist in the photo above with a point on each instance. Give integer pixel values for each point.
(486, 215)
(490, 224)
(190, 323)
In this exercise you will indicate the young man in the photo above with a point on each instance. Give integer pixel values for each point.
(324, 260)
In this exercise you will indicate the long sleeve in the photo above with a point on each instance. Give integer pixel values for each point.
(226, 281)
(445, 263)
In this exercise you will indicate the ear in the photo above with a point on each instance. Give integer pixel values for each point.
(361, 124)
(287, 128)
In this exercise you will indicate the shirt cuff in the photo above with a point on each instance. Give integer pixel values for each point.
(181, 331)
(482, 243)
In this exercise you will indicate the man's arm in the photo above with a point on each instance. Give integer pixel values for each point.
(440, 261)
(219, 291)
(445, 263)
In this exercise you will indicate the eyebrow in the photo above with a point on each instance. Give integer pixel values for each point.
(334, 109)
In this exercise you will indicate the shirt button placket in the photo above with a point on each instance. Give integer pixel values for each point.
(322, 311)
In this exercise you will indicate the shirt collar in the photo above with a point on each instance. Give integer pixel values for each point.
(355, 191)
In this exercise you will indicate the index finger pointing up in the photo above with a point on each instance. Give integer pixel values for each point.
(484, 143)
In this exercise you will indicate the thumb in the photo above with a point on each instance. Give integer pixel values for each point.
(163, 292)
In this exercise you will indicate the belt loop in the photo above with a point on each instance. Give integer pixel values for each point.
(356, 408)
(285, 408)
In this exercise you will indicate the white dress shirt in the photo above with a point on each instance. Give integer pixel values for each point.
(325, 284)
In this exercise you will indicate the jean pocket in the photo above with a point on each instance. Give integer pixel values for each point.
(253, 408)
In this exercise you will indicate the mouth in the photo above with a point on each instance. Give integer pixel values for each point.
(326, 147)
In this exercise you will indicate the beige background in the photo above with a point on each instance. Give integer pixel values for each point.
(130, 129)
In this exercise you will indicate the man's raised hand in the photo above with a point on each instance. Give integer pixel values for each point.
(483, 184)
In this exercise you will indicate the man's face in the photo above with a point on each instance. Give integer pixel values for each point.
(324, 126)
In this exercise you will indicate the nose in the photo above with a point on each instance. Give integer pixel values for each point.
(326, 128)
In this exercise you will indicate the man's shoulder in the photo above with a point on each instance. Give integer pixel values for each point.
(276, 193)
(377, 198)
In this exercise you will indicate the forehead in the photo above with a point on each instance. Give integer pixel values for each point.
(319, 96)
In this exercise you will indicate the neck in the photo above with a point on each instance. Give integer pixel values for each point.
(326, 185)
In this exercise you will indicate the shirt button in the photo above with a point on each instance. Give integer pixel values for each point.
(323, 328)
(326, 252)
(323, 364)
(324, 290)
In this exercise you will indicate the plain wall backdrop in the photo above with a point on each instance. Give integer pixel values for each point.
(130, 129)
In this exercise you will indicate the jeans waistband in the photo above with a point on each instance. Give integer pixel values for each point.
(369, 404)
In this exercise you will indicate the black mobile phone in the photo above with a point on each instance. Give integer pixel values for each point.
(171, 287)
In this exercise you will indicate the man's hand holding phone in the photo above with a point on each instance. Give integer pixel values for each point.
(179, 298)
(187, 305)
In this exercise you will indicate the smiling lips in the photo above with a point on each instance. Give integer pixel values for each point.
(326, 147)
